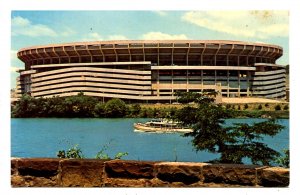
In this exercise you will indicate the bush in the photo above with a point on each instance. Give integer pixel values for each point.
(99, 110)
(228, 106)
(115, 108)
(277, 107)
(73, 152)
(259, 107)
(134, 110)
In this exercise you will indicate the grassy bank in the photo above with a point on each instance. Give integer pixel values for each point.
(251, 110)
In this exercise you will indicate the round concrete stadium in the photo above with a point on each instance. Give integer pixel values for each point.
(152, 71)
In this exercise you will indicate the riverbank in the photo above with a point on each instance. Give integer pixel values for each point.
(81, 106)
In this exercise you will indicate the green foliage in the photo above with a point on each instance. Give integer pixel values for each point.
(228, 106)
(233, 142)
(259, 107)
(73, 152)
(76, 153)
(99, 110)
(115, 108)
(277, 107)
(284, 161)
(104, 156)
(134, 110)
(27, 106)
(188, 97)
(119, 155)
(101, 154)
(80, 105)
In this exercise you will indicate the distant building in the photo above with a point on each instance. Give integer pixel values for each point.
(151, 71)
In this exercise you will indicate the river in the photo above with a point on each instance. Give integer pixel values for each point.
(44, 137)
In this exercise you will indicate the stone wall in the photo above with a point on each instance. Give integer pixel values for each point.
(53, 172)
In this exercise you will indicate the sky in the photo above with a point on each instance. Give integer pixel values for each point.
(29, 28)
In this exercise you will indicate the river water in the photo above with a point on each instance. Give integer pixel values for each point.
(44, 137)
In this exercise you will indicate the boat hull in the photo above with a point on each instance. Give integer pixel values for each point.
(139, 127)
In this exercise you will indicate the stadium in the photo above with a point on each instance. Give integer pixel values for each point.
(152, 71)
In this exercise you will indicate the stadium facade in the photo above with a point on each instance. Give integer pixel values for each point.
(152, 71)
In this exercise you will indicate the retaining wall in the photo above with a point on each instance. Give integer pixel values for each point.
(54, 172)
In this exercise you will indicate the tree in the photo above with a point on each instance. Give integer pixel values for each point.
(28, 106)
(134, 110)
(233, 142)
(79, 105)
(115, 108)
(187, 97)
(284, 161)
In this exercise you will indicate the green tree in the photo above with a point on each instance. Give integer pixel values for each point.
(28, 106)
(80, 105)
(134, 110)
(284, 161)
(99, 110)
(115, 108)
(187, 97)
(233, 142)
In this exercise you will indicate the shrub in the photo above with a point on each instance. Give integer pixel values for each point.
(134, 110)
(99, 110)
(115, 108)
(73, 152)
(259, 107)
(277, 107)
(228, 106)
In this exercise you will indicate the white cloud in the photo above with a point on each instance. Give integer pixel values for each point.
(92, 37)
(13, 54)
(22, 26)
(260, 24)
(163, 36)
(19, 21)
(161, 13)
(14, 69)
(117, 37)
(67, 32)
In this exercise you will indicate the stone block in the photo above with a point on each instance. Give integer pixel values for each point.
(38, 167)
(184, 172)
(82, 173)
(14, 166)
(32, 181)
(129, 169)
(125, 182)
(274, 177)
(231, 174)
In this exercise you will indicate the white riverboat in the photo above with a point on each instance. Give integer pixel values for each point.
(161, 126)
